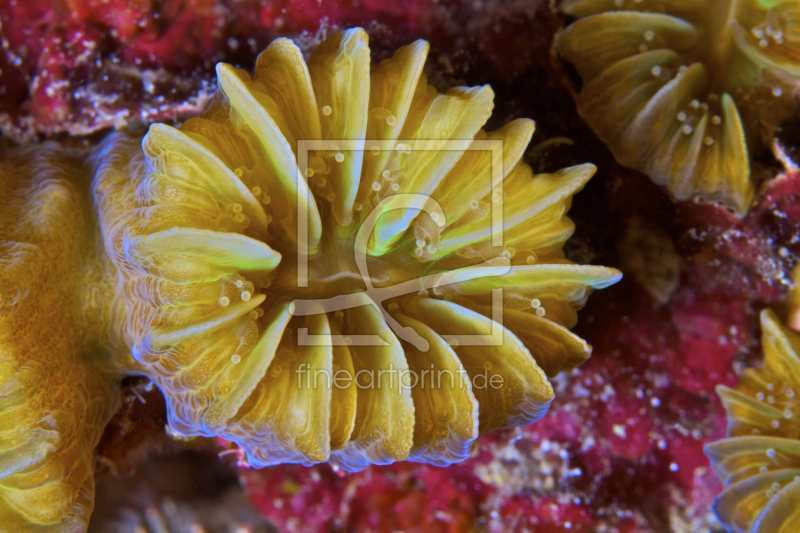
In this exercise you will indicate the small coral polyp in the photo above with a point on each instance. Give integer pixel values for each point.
(760, 461)
(685, 90)
(226, 234)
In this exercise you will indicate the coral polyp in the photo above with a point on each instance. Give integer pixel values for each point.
(332, 264)
(760, 460)
(56, 388)
(686, 91)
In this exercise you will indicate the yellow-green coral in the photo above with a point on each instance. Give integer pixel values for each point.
(226, 234)
(683, 90)
(231, 267)
(760, 461)
(55, 397)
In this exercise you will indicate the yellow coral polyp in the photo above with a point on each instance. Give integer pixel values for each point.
(56, 391)
(318, 304)
(685, 90)
(760, 460)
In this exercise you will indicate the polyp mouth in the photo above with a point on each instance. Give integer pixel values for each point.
(345, 262)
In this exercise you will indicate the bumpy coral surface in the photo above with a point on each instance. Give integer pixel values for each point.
(760, 461)
(55, 397)
(254, 270)
(685, 91)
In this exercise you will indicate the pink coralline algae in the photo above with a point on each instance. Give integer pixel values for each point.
(79, 66)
